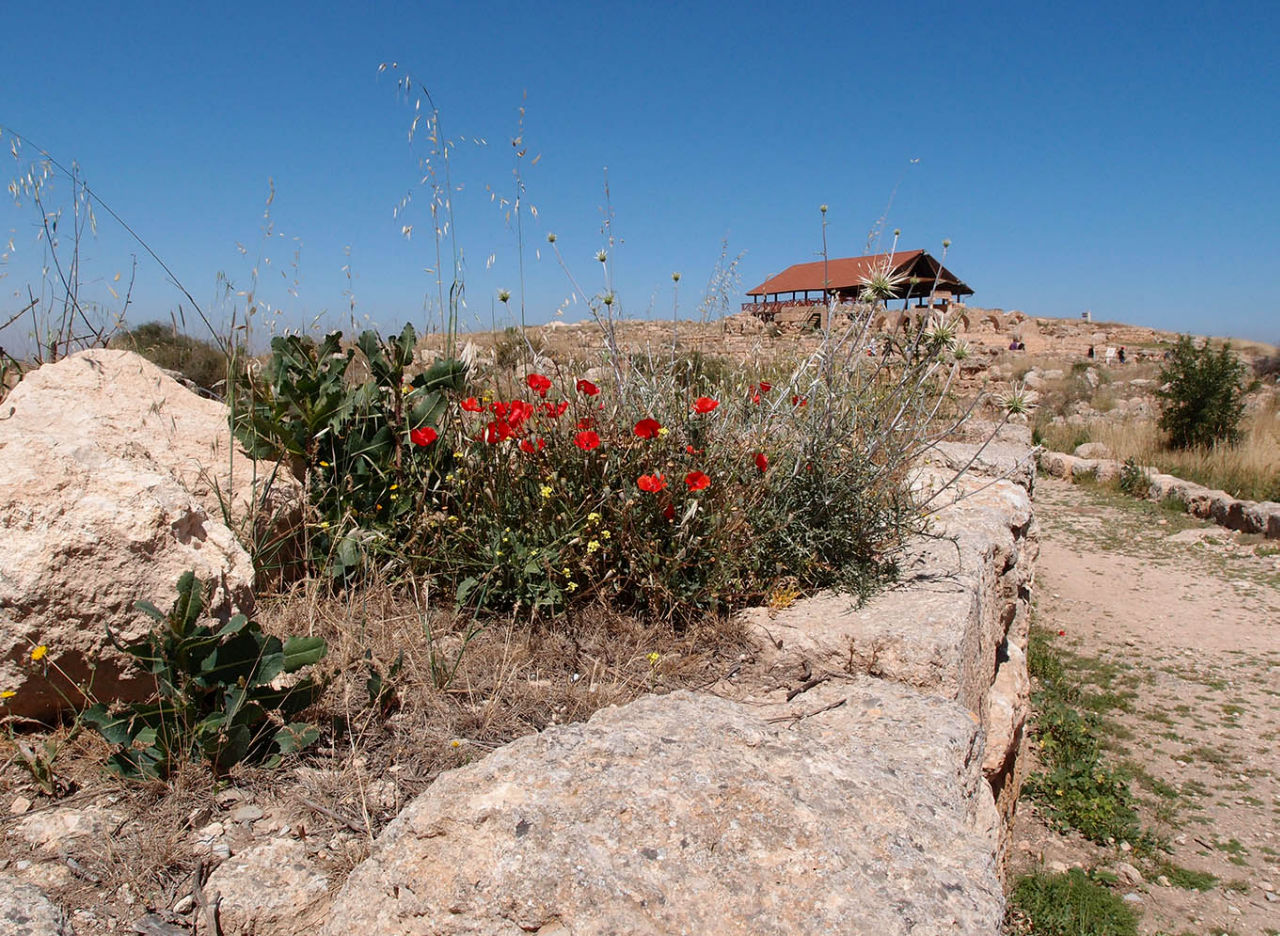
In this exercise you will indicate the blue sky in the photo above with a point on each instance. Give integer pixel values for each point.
(1118, 157)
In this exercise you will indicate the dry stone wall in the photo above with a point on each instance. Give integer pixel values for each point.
(1262, 517)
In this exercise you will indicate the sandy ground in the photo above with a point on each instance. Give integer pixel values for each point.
(1183, 621)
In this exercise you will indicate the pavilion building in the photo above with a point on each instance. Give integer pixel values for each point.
(800, 292)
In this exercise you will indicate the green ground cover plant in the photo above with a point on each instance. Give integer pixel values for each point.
(1071, 905)
(222, 695)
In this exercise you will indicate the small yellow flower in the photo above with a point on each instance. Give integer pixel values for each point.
(453, 518)
(377, 507)
(324, 524)
(455, 743)
(546, 492)
(39, 653)
(7, 694)
(605, 534)
(663, 430)
(654, 657)
(324, 464)
(593, 517)
(458, 455)
(572, 586)
(566, 571)
(394, 486)
(394, 496)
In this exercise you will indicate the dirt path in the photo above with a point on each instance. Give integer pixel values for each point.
(1177, 624)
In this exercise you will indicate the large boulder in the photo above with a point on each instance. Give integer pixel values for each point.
(117, 479)
(693, 814)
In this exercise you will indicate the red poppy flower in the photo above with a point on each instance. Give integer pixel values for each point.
(1062, 633)
(586, 440)
(652, 483)
(538, 384)
(693, 451)
(705, 404)
(498, 431)
(423, 436)
(765, 387)
(669, 511)
(554, 410)
(762, 462)
(587, 387)
(517, 412)
(799, 401)
(647, 428)
(696, 480)
(529, 447)
(498, 408)
(472, 405)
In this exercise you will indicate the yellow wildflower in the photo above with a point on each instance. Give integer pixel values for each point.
(39, 653)
(605, 534)
(324, 464)
(654, 657)
(593, 517)
(593, 546)
(572, 586)
(546, 492)
(663, 430)
(7, 694)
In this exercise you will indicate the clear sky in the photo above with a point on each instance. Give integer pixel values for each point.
(1118, 157)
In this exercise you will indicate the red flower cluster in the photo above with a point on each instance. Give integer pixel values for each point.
(652, 483)
(472, 405)
(538, 384)
(799, 401)
(554, 410)
(758, 389)
(529, 446)
(586, 440)
(647, 428)
(424, 435)
(587, 387)
(704, 404)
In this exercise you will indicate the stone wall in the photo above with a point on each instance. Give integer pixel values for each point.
(1262, 517)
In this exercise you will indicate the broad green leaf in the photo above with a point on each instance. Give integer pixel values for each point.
(303, 651)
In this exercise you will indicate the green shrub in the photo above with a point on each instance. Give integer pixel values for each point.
(1204, 396)
(201, 362)
(683, 489)
(220, 695)
(1133, 480)
(1071, 905)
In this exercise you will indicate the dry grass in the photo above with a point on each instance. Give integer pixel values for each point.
(1250, 470)
(458, 693)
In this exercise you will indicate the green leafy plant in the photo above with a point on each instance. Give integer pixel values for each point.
(224, 695)
(1204, 394)
(1134, 480)
(344, 423)
(1071, 905)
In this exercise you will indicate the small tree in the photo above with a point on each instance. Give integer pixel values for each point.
(1204, 394)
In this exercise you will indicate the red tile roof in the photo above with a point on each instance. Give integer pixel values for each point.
(844, 273)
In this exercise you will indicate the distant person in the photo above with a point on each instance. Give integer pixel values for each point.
(1013, 345)
(1121, 354)
(1091, 355)
(1109, 355)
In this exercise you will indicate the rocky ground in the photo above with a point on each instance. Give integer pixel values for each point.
(1179, 621)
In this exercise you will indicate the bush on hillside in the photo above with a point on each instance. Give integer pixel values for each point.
(201, 362)
(1204, 394)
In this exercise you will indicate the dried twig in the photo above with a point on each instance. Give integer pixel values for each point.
(210, 910)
